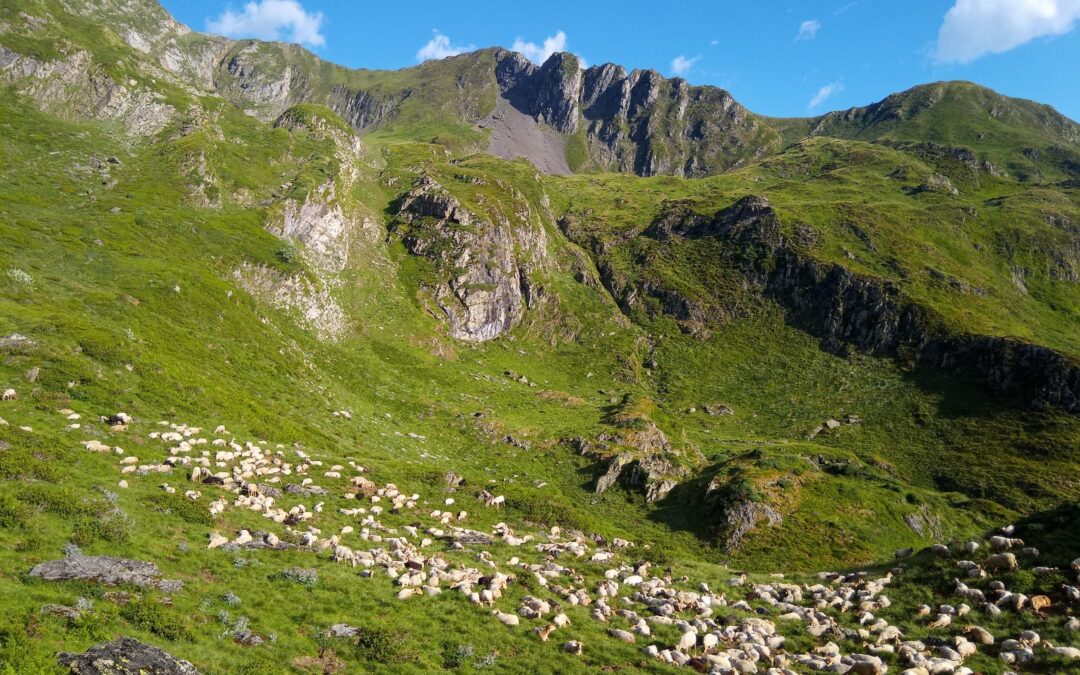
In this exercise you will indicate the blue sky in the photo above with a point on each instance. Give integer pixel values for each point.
(777, 58)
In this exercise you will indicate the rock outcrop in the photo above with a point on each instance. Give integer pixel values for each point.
(653, 473)
(483, 265)
(638, 122)
(320, 224)
(644, 458)
(186, 57)
(849, 311)
(125, 656)
(102, 569)
(309, 301)
(76, 87)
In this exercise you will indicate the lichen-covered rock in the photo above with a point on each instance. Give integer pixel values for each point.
(310, 302)
(125, 656)
(743, 517)
(102, 569)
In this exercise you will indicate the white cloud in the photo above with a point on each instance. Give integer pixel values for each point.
(681, 65)
(824, 93)
(808, 30)
(439, 47)
(974, 28)
(540, 53)
(271, 20)
(713, 43)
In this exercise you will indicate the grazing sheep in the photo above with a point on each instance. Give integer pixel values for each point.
(940, 550)
(506, 619)
(1002, 561)
(545, 632)
(979, 635)
(999, 543)
(940, 621)
(1067, 652)
(1039, 603)
(216, 540)
(687, 642)
(573, 647)
(867, 667)
(623, 635)
(1072, 593)
(10, 395)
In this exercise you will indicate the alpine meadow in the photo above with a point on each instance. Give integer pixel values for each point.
(490, 365)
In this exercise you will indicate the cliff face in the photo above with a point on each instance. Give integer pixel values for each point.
(482, 265)
(638, 122)
(848, 311)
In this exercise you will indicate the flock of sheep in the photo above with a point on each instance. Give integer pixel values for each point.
(635, 601)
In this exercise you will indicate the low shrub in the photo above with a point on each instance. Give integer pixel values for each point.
(156, 618)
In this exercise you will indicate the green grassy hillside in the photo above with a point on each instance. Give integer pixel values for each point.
(167, 255)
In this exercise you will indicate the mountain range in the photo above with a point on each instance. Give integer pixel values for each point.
(612, 318)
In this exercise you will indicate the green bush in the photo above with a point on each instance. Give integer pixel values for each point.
(456, 655)
(383, 645)
(24, 464)
(13, 513)
(152, 616)
(104, 347)
(114, 527)
(287, 255)
(305, 576)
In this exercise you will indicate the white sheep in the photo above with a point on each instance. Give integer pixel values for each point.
(10, 395)
(999, 543)
(506, 619)
(623, 635)
(687, 642)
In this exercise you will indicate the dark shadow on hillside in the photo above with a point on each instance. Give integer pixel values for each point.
(686, 508)
(1056, 533)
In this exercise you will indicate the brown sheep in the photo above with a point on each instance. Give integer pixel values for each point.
(1039, 603)
(545, 632)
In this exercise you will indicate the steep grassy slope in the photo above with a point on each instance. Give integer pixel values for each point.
(169, 256)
